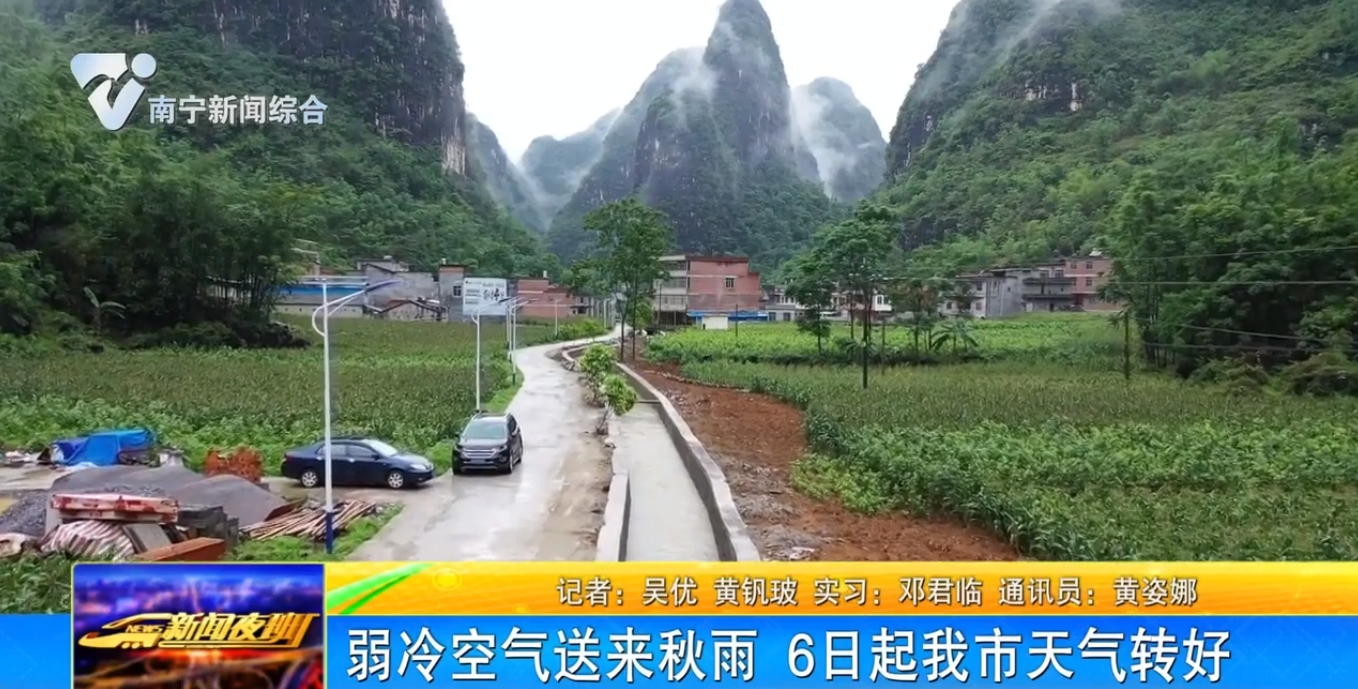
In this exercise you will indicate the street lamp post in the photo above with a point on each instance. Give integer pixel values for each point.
(512, 307)
(509, 339)
(476, 318)
(326, 308)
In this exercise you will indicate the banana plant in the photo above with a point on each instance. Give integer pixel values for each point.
(101, 309)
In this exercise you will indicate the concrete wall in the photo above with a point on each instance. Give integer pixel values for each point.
(346, 311)
(728, 527)
(450, 290)
(612, 541)
(998, 296)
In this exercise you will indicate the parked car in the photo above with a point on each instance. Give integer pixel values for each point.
(357, 462)
(489, 442)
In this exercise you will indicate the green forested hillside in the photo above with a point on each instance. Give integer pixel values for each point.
(1216, 131)
(708, 140)
(164, 219)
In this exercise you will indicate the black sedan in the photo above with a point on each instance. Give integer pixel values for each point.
(490, 441)
(357, 462)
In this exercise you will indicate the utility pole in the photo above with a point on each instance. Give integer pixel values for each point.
(1127, 343)
(737, 315)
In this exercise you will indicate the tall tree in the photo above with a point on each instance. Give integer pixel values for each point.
(630, 239)
(813, 288)
(857, 253)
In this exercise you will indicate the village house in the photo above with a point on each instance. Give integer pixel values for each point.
(419, 295)
(1071, 284)
(544, 301)
(1091, 274)
(699, 286)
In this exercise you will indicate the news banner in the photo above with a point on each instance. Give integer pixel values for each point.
(775, 625)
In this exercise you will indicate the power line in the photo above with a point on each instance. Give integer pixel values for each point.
(1204, 328)
(1239, 347)
(1229, 331)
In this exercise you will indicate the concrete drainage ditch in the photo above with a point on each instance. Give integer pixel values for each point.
(721, 518)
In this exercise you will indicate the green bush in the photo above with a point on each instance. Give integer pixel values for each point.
(1327, 374)
(566, 331)
(32, 585)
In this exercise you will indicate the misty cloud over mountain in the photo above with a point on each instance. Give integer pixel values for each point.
(715, 138)
(839, 132)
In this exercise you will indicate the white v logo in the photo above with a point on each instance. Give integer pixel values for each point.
(86, 67)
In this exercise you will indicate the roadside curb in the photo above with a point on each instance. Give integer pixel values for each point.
(728, 527)
(612, 543)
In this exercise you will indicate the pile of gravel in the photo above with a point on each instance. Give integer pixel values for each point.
(28, 514)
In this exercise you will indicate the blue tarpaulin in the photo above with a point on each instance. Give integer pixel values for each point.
(101, 448)
(732, 315)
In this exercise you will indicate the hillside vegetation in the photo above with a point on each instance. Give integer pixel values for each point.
(1216, 131)
(160, 218)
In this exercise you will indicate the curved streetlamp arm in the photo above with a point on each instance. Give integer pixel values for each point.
(329, 307)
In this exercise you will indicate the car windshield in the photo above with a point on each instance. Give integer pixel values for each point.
(485, 430)
(382, 448)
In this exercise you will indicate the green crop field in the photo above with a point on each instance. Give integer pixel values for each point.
(1067, 462)
(411, 383)
(1075, 339)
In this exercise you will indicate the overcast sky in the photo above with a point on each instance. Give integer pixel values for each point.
(552, 67)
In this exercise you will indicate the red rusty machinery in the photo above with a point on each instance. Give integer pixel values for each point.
(245, 462)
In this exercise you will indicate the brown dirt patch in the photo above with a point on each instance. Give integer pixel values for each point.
(756, 439)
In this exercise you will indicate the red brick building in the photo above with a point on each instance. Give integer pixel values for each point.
(699, 285)
(543, 301)
(1091, 273)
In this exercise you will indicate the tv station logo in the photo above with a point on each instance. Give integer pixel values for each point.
(209, 630)
(177, 625)
(106, 70)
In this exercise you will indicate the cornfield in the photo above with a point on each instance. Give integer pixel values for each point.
(1076, 339)
(1073, 464)
(410, 383)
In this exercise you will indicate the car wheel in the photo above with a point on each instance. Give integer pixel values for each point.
(457, 470)
(309, 478)
(396, 479)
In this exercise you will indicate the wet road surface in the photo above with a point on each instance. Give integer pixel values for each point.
(668, 522)
(545, 510)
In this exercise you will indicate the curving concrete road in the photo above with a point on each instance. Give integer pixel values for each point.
(545, 510)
